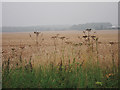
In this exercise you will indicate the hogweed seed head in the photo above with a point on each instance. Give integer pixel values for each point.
(93, 37)
(68, 42)
(85, 36)
(111, 42)
(88, 30)
(80, 43)
(12, 49)
(53, 37)
(62, 38)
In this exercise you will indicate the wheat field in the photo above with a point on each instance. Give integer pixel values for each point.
(60, 49)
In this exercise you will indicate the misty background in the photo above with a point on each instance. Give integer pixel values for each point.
(42, 16)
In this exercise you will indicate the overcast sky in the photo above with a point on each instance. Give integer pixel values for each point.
(59, 13)
(0, 15)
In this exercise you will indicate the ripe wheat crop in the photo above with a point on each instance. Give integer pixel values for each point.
(59, 60)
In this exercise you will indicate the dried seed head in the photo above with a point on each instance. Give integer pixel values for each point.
(37, 33)
(80, 43)
(3, 51)
(68, 42)
(29, 45)
(75, 44)
(93, 37)
(22, 47)
(111, 43)
(62, 38)
(88, 30)
(12, 49)
(53, 37)
(85, 36)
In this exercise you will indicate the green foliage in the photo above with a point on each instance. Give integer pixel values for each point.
(51, 77)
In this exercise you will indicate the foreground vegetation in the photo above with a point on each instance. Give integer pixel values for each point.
(59, 77)
(88, 72)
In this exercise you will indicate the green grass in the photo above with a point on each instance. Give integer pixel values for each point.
(91, 76)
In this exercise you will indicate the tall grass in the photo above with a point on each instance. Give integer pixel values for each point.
(68, 73)
(54, 77)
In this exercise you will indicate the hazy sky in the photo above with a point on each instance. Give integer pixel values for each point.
(59, 13)
(0, 14)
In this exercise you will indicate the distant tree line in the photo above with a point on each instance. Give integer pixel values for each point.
(94, 26)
